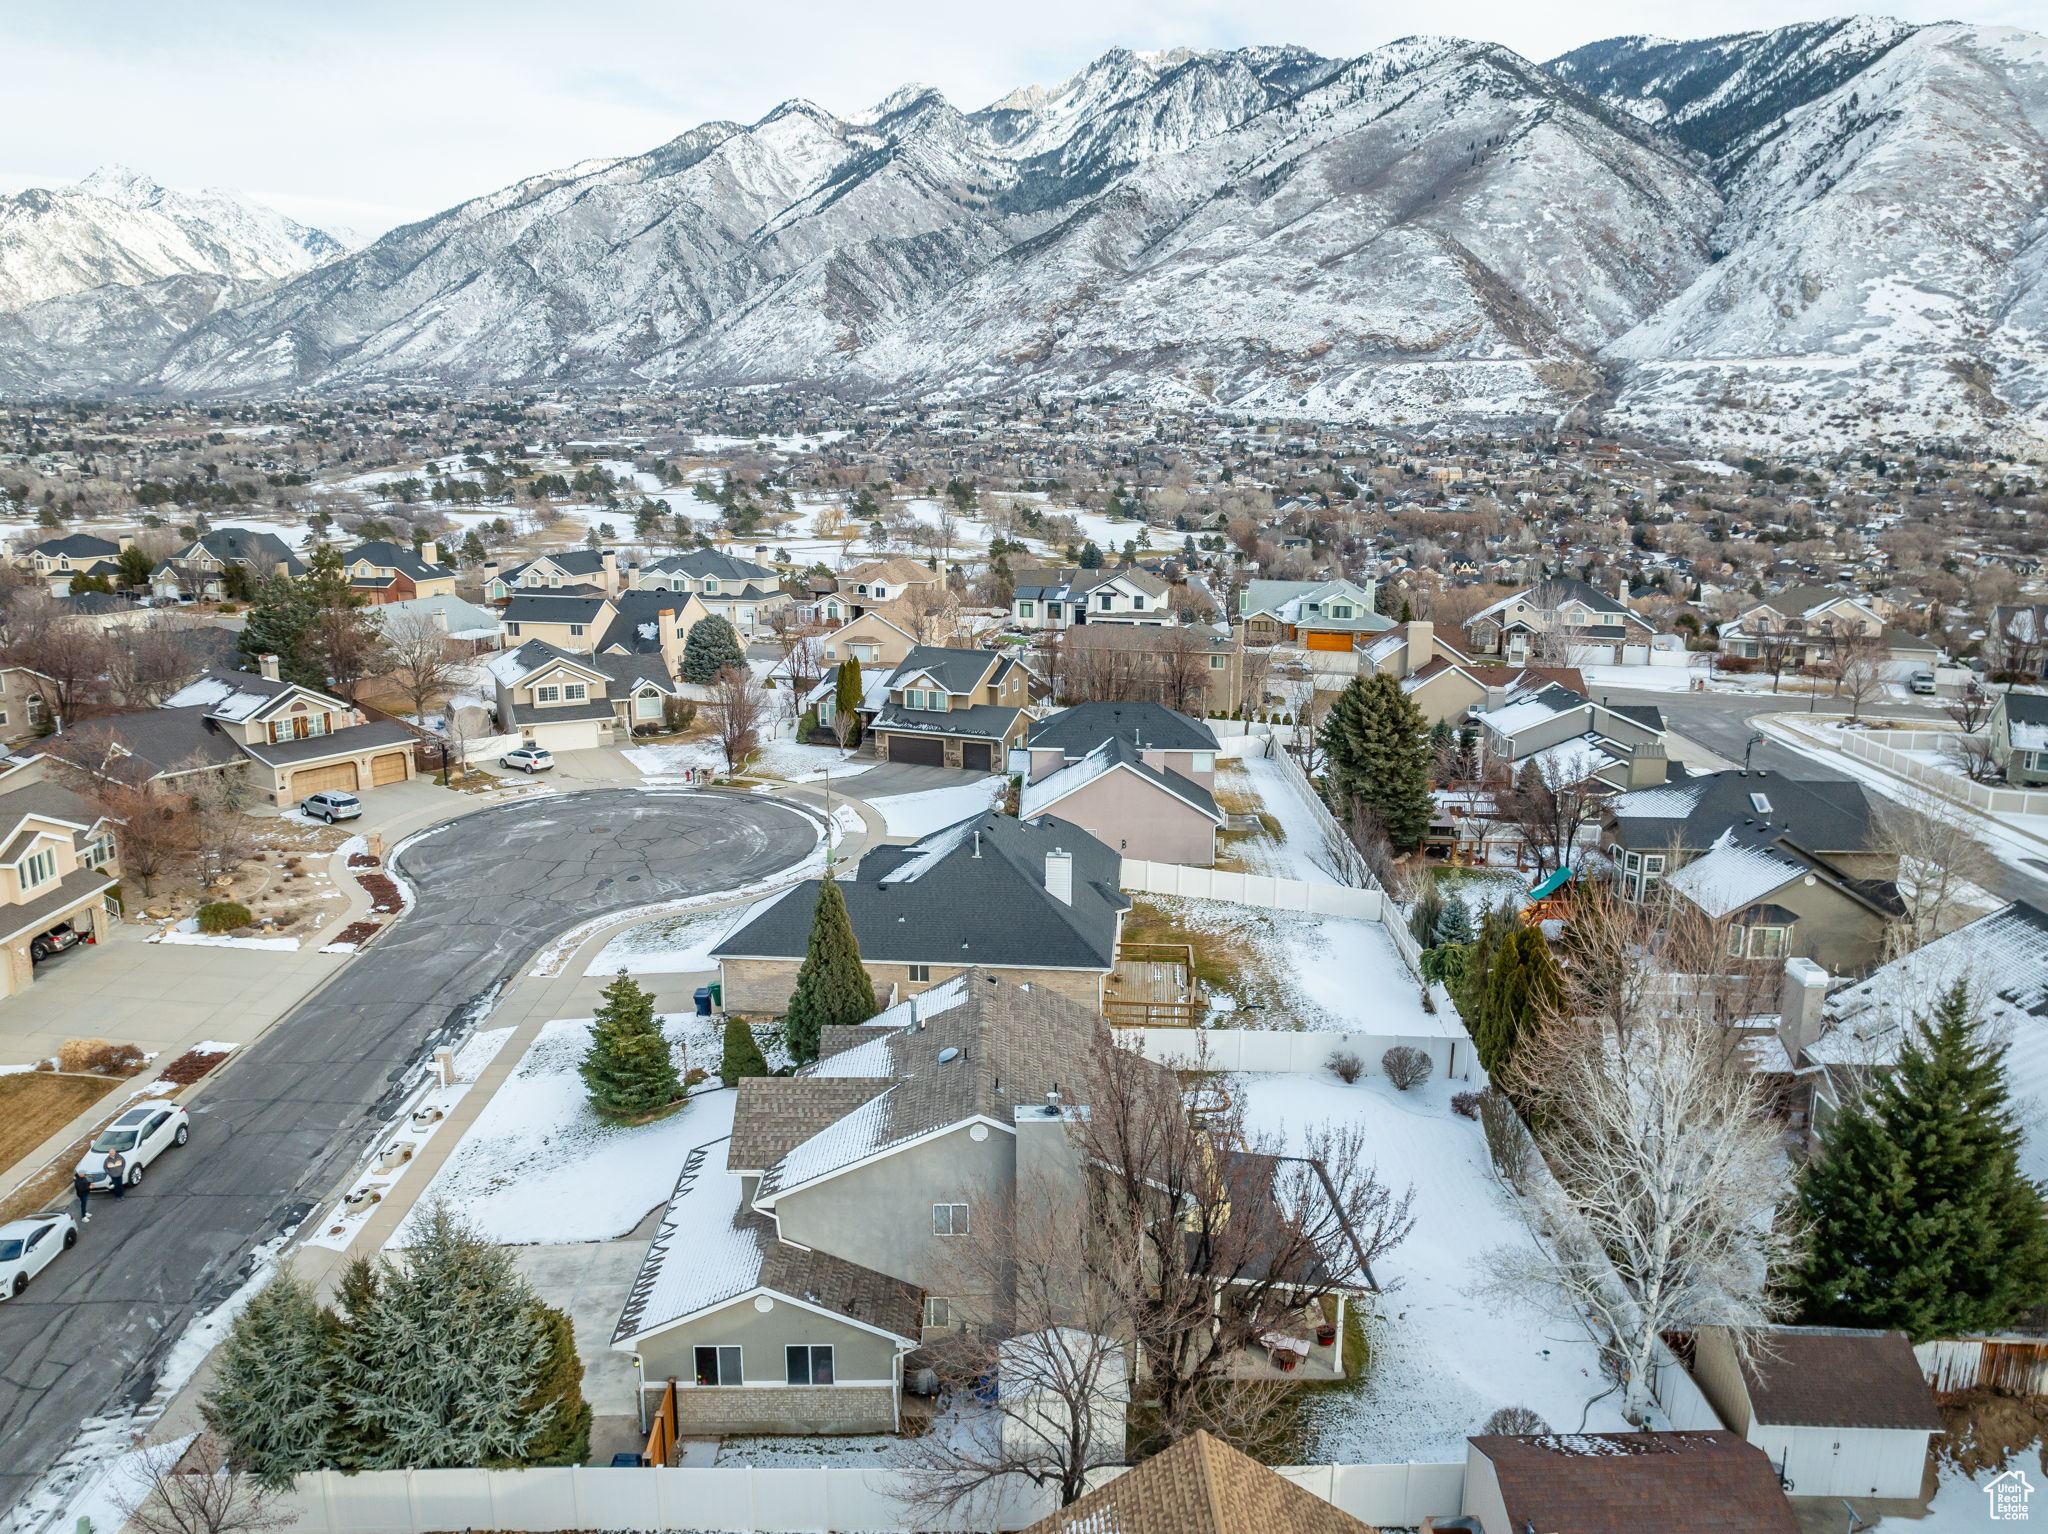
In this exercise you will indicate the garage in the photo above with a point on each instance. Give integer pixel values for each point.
(977, 756)
(1314, 640)
(388, 768)
(924, 750)
(315, 779)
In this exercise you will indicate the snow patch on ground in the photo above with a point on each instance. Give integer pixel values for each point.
(1299, 853)
(176, 937)
(671, 945)
(1444, 1356)
(921, 814)
(785, 759)
(538, 1167)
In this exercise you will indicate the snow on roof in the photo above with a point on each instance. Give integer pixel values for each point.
(1050, 789)
(218, 696)
(1571, 761)
(1512, 717)
(1667, 801)
(929, 852)
(861, 1133)
(1731, 876)
(507, 667)
(872, 1057)
(2026, 734)
(700, 1256)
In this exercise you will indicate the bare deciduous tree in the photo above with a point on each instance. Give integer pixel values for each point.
(201, 1492)
(71, 657)
(1940, 860)
(1550, 801)
(351, 646)
(1859, 664)
(1970, 710)
(737, 705)
(424, 661)
(152, 661)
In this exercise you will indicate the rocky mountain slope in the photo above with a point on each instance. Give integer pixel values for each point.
(118, 228)
(1830, 229)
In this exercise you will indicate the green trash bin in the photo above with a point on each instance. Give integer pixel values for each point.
(717, 997)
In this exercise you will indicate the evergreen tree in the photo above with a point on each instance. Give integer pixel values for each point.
(281, 624)
(741, 1056)
(135, 566)
(1455, 925)
(1090, 557)
(473, 550)
(1426, 915)
(846, 696)
(712, 646)
(831, 986)
(1519, 987)
(272, 1401)
(452, 1351)
(1377, 743)
(556, 1400)
(1920, 1217)
(629, 1069)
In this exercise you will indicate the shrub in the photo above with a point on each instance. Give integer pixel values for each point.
(1507, 1141)
(677, 714)
(742, 1055)
(222, 916)
(1406, 1066)
(97, 1057)
(1466, 1104)
(1345, 1066)
(1515, 1420)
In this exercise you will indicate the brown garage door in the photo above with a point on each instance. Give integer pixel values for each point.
(921, 749)
(313, 779)
(977, 756)
(388, 768)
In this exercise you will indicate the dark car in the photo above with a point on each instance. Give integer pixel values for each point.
(59, 938)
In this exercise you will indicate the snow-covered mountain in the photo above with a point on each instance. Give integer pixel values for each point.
(1833, 228)
(121, 228)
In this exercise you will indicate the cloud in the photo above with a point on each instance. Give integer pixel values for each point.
(383, 111)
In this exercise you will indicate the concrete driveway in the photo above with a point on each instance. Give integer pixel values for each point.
(886, 779)
(285, 1121)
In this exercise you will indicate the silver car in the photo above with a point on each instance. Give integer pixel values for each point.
(331, 805)
(141, 1135)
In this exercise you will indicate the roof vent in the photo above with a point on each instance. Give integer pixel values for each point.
(1052, 1102)
(948, 1055)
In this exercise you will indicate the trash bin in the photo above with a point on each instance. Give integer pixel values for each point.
(718, 994)
(703, 1001)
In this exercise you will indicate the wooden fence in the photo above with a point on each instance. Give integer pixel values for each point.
(661, 1438)
(2016, 1364)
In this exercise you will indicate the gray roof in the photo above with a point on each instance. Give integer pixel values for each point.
(1072, 583)
(972, 893)
(568, 561)
(700, 564)
(554, 608)
(629, 672)
(357, 737)
(638, 610)
(397, 556)
(1150, 726)
(245, 546)
(1691, 813)
(77, 546)
(162, 740)
(984, 721)
(956, 670)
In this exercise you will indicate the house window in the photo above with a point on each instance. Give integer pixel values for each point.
(547, 695)
(554, 580)
(808, 1363)
(718, 1366)
(648, 705)
(1215, 663)
(1052, 610)
(711, 585)
(1203, 761)
(575, 692)
(1108, 601)
(920, 972)
(1758, 942)
(1027, 609)
(1640, 871)
(576, 630)
(38, 868)
(512, 629)
(881, 593)
(1340, 609)
(98, 852)
(864, 653)
(949, 1219)
(1137, 604)
(937, 1312)
(1760, 804)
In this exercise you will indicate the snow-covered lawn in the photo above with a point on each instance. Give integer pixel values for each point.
(935, 808)
(1444, 1356)
(539, 1168)
(1645, 678)
(785, 759)
(1299, 853)
(671, 945)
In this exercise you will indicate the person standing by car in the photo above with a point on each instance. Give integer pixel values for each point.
(117, 1173)
(82, 1186)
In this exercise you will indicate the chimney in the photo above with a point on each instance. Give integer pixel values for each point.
(1421, 644)
(430, 551)
(1059, 875)
(267, 664)
(1496, 697)
(608, 560)
(1801, 995)
(665, 630)
(1647, 766)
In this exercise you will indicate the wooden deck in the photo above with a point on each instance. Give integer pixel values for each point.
(1153, 986)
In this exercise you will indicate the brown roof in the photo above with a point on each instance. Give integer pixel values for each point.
(1824, 1376)
(1626, 1483)
(1200, 1486)
(773, 1115)
(834, 1284)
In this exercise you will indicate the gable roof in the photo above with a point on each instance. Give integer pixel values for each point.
(701, 564)
(513, 667)
(397, 556)
(636, 619)
(556, 608)
(896, 570)
(1734, 874)
(1829, 1376)
(1691, 813)
(568, 561)
(158, 740)
(775, 1114)
(246, 546)
(972, 893)
(1624, 1483)
(1072, 583)
(1556, 591)
(1200, 1486)
(77, 546)
(1114, 755)
(956, 670)
(1150, 726)
(239, 696)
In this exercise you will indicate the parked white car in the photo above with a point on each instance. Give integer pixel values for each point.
(27, 1246)
(528, 759)
(141, 1135)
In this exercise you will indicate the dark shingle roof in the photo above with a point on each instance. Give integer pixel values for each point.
(773, 1115)
(357, 737)
(984, 721)
(396, 556)
(163, 740)
(1152, 726)
(1820, 817)
(699, 564)
(1625, 1483)
(959, 671)
(1822, 1376)
(242, 545)
(637, 610)
(973, 893)
(77, 546)
(554, 608)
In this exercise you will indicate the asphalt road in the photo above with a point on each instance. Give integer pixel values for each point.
(288, 1118)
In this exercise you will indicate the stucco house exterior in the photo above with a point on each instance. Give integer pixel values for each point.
(569, 702)
(1034, 901)
(1137, 776)
(57, 560)
(950, 707)
(198, 571)
(745, 594)
(1564, 621)
(57, 864)
(873, 640)
(381, 572)
(1330, 622)
(565, 571)
(1195, 667)
(1067, 596)
(2019, 738)
(654, 623)
(1571, 738)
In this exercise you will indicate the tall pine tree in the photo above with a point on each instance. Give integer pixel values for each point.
(629, 1068)
(1920, 1217)
(846, 695)
(831, 986)
(712, 646)
(273, 1402)
(1377, 744)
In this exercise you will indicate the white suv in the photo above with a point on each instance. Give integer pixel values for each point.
(141, 1135)
(528, 759)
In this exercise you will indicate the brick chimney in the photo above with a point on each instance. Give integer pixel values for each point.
(1059, 875)
(267, 664)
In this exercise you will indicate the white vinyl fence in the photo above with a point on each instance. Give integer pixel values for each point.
(1267, 890)
(1281, 1051)
(1888, 748)
(1347, 859)
(746, 1500)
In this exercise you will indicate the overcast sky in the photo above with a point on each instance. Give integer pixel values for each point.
(368, 113)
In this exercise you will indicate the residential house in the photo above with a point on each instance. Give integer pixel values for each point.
(874, 639)
(1138, 777)
(1803, 627)
(1571, 739)
(1197, 668)
(745, 594)
(57, 560)
(569, 570)
(382, 572)
(1067, 596)
(2019, 738)
(1564, 622)
(199, 571)
(952, 708)
(1840, 1412)
(287, 741)
(1624, 1483)
(23, 710)
(630, 623)
(1439, 679)
(877, 583)
(1036, 901)
(478, 630)
(1793, 868)
(1200, 1486)
(570, 702)
(1330, 621)
(57, 868)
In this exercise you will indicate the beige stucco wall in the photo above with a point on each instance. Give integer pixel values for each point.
(858, 1354)
(1140, 820)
